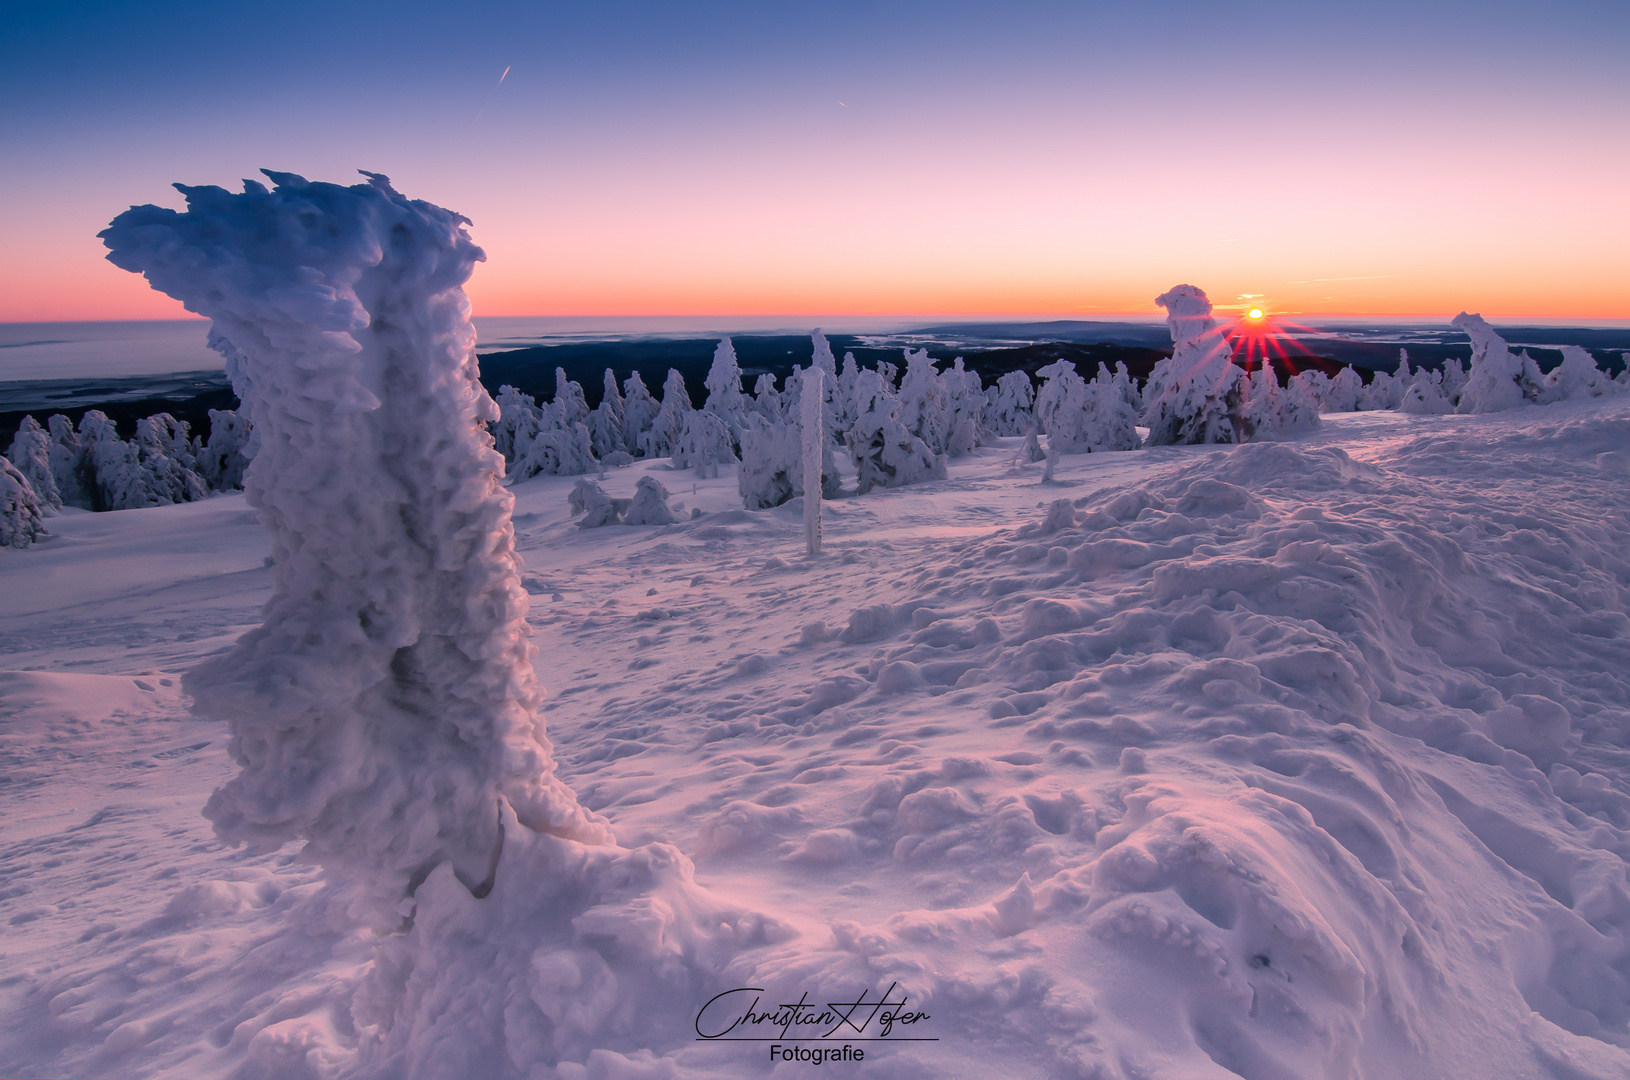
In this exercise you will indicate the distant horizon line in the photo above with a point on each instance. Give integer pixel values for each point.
(1016, 317)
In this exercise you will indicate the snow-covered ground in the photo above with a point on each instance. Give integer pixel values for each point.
(1281, 760)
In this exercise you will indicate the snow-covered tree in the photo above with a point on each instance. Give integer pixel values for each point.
(111, 468)
(1575, 378)
(386, 711)
(1343, 392)
(1454, 381)
(1299, 405)
(68, 463)
(639, 413)
(21, 516)
(885, 453)
(223, 459)
(1081, 417)
(965, 410)
(598, 509)
(704, 443)
(1010, 405)
(606, 420)
(724, 397)
(843, 398)
(1499, 379)
(831, 391)
(670, 419)
(1193, 396)
(30, 454)
(1424, 395)
(771, 470)
(1269, 411)
(924, 404)
(518, 420)
(766, 401)
(165, 457)
(571, 404)
(649, 505)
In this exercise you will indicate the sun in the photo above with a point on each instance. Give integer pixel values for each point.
(1254, 314)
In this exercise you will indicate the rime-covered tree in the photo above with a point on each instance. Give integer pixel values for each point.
(1010, 405)
(30, 454)
(22, 520)
(571, 404)
(724, 397)
(386, 711)
(223, 459)
(606, 420)
(1193, 396)
(1499, 379)
(639, 413)
(885, 453)
(670, 419)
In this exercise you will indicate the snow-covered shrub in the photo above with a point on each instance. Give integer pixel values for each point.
(724, 397)
(1269, 411)
(1193, 396)
(21, 516)
(1424, 395)
(30, 454)
(1499, 379)
(1081, 417)
(771, 470)
(704, 443)
(386, 711)
(606, 420)
(598, 509)
(669, 420)
(1031, 451)
(885, 453)
(1575, 378)
(1454, 381)
(1010, 405)
(639, 413)
(649, 505)
(222, 460)
(1343, 392)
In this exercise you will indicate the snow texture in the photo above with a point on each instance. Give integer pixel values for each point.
(385, 711)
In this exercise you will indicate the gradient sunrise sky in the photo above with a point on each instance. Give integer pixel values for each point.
(1410, 158)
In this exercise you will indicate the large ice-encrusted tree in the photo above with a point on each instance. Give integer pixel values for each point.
(1499, 379)
(386, 711)
(1194, 395)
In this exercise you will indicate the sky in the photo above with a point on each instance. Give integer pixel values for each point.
(878, 158)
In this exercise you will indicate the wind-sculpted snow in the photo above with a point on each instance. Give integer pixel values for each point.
(385, 710)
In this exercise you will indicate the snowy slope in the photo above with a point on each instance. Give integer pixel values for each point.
(1282, 760)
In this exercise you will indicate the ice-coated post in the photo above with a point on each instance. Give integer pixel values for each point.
(812, 404)
(386, 709)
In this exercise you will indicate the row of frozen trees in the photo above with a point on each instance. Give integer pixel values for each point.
(94, 469)
(897, 426)
(901, 427)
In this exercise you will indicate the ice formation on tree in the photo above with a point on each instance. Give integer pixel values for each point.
(1010, 405)
(1193, 396)
(1424, 395)
(843, 396)
(1269, 411)
(386, 711)
(537, 439)
(885, 452)
(965, 410)
(1499, 379)
(766, 401)
(639, 413)
(822, 358)
(30, 454)
(21, 516)
(924, 404)
(650, 504)
(772, 471)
